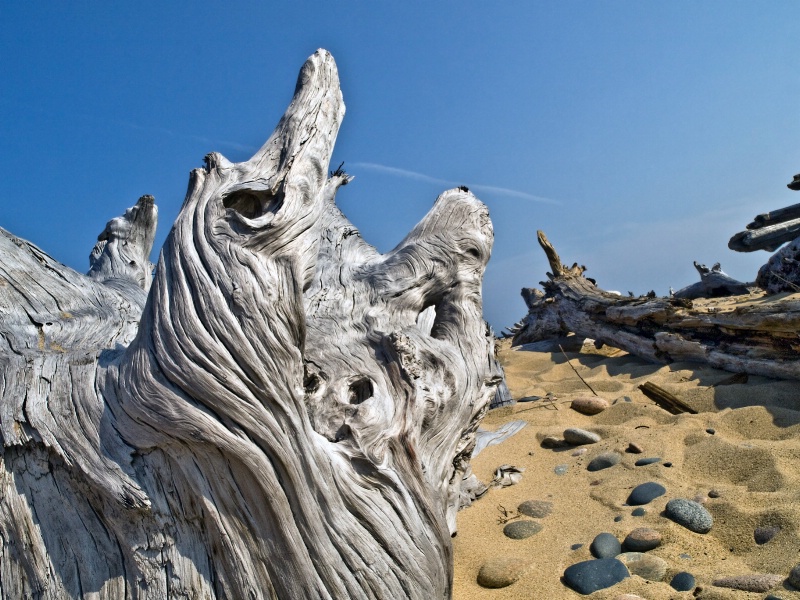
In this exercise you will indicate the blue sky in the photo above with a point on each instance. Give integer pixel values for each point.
(638, 135)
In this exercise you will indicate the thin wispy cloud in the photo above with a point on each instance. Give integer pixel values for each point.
(478, 187)
(188, 136)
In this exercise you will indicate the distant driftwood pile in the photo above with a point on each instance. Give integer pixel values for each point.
(285, 413)
(749, 334)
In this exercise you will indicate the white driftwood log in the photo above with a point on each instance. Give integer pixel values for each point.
(289, 416)
(757, 337)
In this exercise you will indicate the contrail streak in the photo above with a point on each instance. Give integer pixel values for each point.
(489, 189)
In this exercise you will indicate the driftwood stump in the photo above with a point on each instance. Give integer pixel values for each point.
(751, 335)
(714, 283)
(287, 413)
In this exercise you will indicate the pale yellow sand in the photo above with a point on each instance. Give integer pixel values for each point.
(753, 460)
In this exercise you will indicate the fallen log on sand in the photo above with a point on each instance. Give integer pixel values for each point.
(743, 334)
(277, 421)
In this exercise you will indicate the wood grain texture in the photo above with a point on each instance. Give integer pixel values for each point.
(290, 414)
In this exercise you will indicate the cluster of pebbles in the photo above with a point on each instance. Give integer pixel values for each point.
(614, 560)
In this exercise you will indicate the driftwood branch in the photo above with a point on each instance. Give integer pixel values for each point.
(769, 231)
(669, 402)
(769, 237)
(290, 414)
(745, 334)
(714, 283)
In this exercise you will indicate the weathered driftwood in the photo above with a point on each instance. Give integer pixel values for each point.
(666, 400)
(781, 273)
(769, 231)
(769, 237)
(750, 335)
(291, 413)
(781, 215)
(714, 283)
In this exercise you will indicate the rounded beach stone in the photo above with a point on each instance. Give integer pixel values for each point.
(604, 461)
(592, 575)
(634, 448)
(646, 566)
(689, 514)
(552, 442)
(605, 545)
(501, 571)
(764, 534)
(794, 576)
(579, 452)
(538, 509)
(579, 437)
(755, 582)
(519, 530)
(683, 582)
(589, 405)
(646, 461)
(646, 493)
(561, 469)
(638, 512)
(642, 539)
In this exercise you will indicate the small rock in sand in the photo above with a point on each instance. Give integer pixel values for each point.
(683, 582)
(604, 461)
(646, 493)
(764, 534)
(561, 469)
(638, 512)
(605, 545)
(628, 597)
(501, 571)
(519, 530)
(553, 442)
(634, 448)
(690, 514)
(646, 566)
(714, 494)
(579, 452)
(589, 405)
(794, 576)
(756, 582)
(646, 461)
(642, 539)
(592, 575)
(579, 437)
(538, 509)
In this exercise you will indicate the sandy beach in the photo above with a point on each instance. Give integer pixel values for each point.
(739, 457)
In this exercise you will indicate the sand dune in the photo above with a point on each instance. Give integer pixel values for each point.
(743, 446)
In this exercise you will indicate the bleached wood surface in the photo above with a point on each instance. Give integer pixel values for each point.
(290, 415)
(751, 335)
